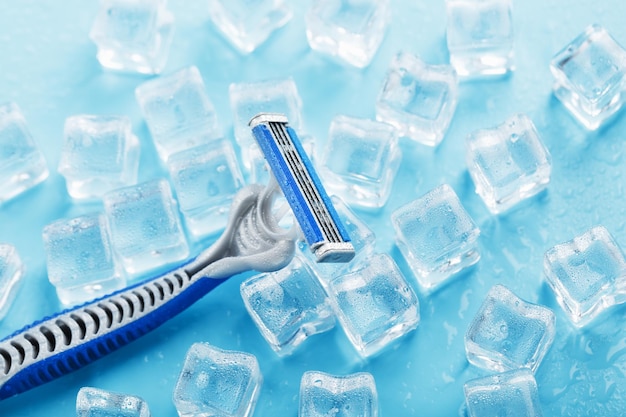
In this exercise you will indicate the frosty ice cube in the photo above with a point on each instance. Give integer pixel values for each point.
(361, 160)
(589, 76)
(178, 111)
(374, 304)
(288, 305)
(205, 178)
(509, 333)
(418, 99)
(508, 163)
(587, 275)
(352, 395)
(480, 37)
(436, 236)
(22, 165)
(133, 35)
(216, 382)
(145, 227)
(362, 237)
(100, 153)
(11, 273)
(511, 394)
(248, 23)
(80, 260)
(351, 30)
(94, 402)
(249, 99)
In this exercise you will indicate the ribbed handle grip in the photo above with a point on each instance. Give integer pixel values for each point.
(65, 342)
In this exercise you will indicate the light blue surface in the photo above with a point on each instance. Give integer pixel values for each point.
(48, 66)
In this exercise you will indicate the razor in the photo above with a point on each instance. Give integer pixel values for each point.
(252, 240)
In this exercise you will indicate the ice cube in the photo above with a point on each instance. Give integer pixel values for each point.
(178, 111)
(145, 227)
(80, 260)
(133, 35)
(590, 76)
(361, 160)
(510, 394)
(351, 30)
(249, 99)
(508, 163)
(22, 165)
(100, 153)
(508, 333)
(587, 275)
(94, 402)
(480, 37)
(436, 236)
(374, 304)
(11, 273)
(324, 395)
(205, 179)
(288, 305)
(249, 23)
(216, 382)
(418, 99)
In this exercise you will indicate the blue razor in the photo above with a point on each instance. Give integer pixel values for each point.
(252, 240)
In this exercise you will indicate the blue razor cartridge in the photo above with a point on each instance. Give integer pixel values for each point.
(322, 228)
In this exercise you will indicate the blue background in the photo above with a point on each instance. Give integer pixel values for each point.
(48, 66)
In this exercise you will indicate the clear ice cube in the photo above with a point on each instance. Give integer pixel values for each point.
(205, 179)
(374, 304)
(249, 99)
(249, 23)
(418, 99)
(351, 30)
(361, 160)
(100, 153)
(590, 76)
(436, 236)
(508, 333)
(323, 395)
(133, 35)
(22, 165)
(94, 402)
(361, 236)
(480, 37)
(80, 259)
(145, 226)
(178, 111)
(508, 163)
(216, 382)
(11, 273)
(510, 394)
(288, 305)
(587, 275)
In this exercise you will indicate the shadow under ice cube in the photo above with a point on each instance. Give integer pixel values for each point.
(510, 394)
(480, 37)
(418, 99)
(22, 165)
(508, 163)
(351, 30)
(323, 395)
(509, 333)
(133, 35)
(216, 382)
(288, 306)
(590, 76)
(374, 304)
(587, 275)
(100, 153)
(436, 236)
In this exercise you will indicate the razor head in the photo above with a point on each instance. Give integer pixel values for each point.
(294, 172)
